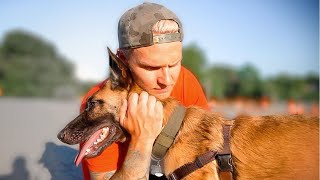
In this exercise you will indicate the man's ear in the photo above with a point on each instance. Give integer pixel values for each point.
(119, 72)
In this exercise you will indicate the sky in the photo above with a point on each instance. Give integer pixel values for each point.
(276, 36)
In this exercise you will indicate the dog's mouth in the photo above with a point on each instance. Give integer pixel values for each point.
(97, 142)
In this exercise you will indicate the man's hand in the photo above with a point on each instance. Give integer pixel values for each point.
(142, 117)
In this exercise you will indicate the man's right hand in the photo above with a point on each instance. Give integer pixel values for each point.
(142, 117)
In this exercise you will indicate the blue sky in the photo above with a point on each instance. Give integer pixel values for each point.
(273, 35)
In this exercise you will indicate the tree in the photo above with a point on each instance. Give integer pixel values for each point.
(30, 66)
(284, 86)
(194, 59)
(223, 81)
(249, 82)
(311, 90)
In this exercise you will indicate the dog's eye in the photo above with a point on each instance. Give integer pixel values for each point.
(92, 103)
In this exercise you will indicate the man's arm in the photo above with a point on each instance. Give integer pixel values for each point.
(135, 166)
(137, 162)
(144, 123)
(101, 175)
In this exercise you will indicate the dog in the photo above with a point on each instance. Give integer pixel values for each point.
(266, 147)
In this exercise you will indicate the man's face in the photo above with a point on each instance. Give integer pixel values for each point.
(156, 68)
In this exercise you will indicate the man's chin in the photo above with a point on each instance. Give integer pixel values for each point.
(161, 96)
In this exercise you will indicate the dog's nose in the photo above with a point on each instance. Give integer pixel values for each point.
(61, 135)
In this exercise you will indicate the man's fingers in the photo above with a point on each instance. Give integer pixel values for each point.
(143, 99)
(159, 108)
(133, 103)
(123, 111)
(151, 103)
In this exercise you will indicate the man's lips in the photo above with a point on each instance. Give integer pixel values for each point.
(162, 90)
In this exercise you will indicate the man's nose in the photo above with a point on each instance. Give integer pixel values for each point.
(165, 77)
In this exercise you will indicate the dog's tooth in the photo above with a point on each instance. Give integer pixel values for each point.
(105, 130)
(87, 150)
(102, 136)
(86, 153)
(99, 140)
(95, 143)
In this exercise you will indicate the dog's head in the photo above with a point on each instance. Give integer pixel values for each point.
(97, 126)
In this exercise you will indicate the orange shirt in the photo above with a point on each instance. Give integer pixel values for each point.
(187, 90)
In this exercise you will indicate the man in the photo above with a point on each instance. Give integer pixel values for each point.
(150, 42)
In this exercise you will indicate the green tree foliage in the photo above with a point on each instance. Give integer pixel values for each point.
(223, 81)
(311, 90)
(21, 43)
(30, 66)
(249, 82)
(194, 59)
(284, 86)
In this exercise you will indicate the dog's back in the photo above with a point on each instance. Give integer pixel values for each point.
(276, 147)
(264, 147)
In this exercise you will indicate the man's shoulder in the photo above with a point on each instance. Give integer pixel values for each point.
(189, 91)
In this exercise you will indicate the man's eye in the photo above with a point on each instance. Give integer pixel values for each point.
(152, 68)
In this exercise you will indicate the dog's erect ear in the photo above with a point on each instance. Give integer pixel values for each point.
(119, 72)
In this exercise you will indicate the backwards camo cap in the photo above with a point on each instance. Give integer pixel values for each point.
(135, 26)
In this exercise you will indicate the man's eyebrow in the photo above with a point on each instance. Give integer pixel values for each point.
(142, 64)
(176, 62)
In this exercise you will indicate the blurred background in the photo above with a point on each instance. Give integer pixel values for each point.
(251, 57)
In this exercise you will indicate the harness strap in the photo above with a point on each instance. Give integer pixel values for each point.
(223, 158)
(188, 168)
(168, 133)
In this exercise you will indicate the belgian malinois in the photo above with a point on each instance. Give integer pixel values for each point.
(266, 147)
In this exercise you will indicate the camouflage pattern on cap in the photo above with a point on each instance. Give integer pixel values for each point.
(135, 26)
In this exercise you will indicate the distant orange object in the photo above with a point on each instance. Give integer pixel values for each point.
(1, 91)
(315, 109)
(265, 102)
(294, 107)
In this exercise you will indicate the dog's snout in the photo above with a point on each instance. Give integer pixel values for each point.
(61, 135)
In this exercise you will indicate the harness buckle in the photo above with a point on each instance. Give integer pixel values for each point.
(224, 162)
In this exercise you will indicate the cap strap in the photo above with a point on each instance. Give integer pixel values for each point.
(165, 38)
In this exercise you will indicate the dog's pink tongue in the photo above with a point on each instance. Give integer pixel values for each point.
(87, 144)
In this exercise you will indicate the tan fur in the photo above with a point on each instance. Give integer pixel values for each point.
(112, 99)
(276, 147)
